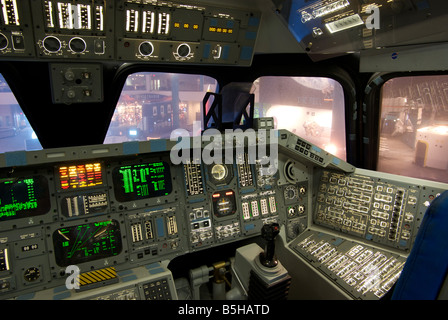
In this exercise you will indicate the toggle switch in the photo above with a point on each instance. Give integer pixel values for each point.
(216, 52)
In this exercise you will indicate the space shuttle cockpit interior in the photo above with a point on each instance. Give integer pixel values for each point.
(196, 150)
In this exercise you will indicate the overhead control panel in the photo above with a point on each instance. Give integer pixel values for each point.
(119, 208)
(176, 32)
(16, 33)
(133, 30)
(73, 30)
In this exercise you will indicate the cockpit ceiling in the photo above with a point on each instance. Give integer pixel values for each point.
(338, 26)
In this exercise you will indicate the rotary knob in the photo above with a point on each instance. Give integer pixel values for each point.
(31, 274)
(183, 50)
(3, 42)
(146, 48)
(51, 44)
(77, 45)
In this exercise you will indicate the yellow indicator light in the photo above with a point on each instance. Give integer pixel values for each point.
(220, 30)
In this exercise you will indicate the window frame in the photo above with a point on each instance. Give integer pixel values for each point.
(339, 69)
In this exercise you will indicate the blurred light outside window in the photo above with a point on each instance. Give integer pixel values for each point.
(311, 107)
(152, 105)
(16, 134)
(414, 127)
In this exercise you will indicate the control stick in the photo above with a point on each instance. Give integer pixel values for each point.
(268, 233)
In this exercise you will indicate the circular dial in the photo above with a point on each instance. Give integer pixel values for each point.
(3, 42)
(219, 172)
(291, 192)
(225, 206)
(77, 45)
(51, 44)
(146, 48)
(224, 203)
(183, 50)
(31, 274)
(69, 75)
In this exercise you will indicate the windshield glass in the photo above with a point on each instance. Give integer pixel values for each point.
(414, 127)
(16, 133)
(310, 107)
(154, 104)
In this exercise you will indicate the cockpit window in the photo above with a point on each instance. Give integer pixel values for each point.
(414, 127)
(16, 133)
(310, 107)
(154, 104)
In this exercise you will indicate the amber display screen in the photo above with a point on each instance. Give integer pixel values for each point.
(80, 176)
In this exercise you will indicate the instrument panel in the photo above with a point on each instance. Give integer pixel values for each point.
(124, 206)
(133, 30)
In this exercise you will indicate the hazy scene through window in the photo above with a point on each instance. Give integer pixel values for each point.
(310, 107)
(152, 105)
(16, 133)
(414, 127)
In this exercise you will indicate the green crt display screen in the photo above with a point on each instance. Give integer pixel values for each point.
(87, 242)
(23, 197)
(142, 181)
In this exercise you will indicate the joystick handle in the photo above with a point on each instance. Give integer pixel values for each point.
(268, 233)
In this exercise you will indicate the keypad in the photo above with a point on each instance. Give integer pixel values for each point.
(157, 290)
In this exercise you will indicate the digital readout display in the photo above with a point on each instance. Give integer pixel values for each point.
(87, 242)
(80, 176)
(142, 181)
(84, 204)
(71, 16)
(24, 197)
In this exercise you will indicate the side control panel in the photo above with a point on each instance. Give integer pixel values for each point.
(362, 271)
(376, 209)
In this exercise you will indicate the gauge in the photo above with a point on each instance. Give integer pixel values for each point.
(224, 206)
(31, 274)
(291, 192)
(224, 203)
(219, 172)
